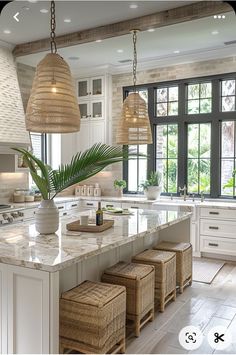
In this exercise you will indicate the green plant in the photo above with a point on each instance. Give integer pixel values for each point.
(82, 166)
(231, 183)
(120, 184)
(153, 180)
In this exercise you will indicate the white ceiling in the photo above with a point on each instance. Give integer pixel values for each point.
(194, 40)
(34, 25)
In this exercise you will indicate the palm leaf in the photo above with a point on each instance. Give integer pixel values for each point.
(82, 166)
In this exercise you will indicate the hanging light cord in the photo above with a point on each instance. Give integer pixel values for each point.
(53, 28)
(135, 59)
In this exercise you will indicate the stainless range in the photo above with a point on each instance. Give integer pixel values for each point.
(10, 214)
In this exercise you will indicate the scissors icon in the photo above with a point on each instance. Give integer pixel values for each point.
(218, 337)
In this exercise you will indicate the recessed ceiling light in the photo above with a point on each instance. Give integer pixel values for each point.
(44, 11)
(33, 1)
(67, 20)
(177, 52)
(25, 8)
(98, 40)
(133, 6)
(120, 50)
(73, 58)
(7, 32)
(151, 30)
(215, 32)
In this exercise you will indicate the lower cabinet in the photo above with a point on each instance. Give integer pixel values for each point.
(26, 309)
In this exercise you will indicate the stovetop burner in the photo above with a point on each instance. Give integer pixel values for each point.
(3, 207)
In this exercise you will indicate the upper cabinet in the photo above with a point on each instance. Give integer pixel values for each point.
(91, 88)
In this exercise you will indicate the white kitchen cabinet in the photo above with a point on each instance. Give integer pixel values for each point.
(91, 88)
(97, 132)
(27, 311)
(90, 110)
(91, 132)
(217, 230)
(3, 309)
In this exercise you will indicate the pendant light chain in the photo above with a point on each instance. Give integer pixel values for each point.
(53, 28)
(135, 59)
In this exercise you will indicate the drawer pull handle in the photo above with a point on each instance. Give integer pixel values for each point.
(136, 207)
(214, 212)
(213, 244)
(61, 207)
(89, 204)
(75, 205)
(64, 213)
(109, 205)
(211, 227)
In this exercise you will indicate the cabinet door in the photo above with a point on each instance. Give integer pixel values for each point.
(97, 132)
(3, 309)
(83, 90)
(84, 110)
(28, 311)
(97, 87)
(97, 109)
(83, 137)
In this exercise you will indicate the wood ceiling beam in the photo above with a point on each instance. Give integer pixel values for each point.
(174, 16)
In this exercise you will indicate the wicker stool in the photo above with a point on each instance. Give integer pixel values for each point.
(165, 274)
(139, 282)
(92, 318)
(183, 261)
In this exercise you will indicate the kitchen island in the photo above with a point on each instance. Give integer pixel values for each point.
(35, 269)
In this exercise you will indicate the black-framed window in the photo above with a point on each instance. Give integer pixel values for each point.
(39, 145)
(204, 117)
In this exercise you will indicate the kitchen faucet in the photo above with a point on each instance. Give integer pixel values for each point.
(184, 190)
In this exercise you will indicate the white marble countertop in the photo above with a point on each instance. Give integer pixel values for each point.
(21, 245)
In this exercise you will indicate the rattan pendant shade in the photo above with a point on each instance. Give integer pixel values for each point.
(134, 125)
(52, 106)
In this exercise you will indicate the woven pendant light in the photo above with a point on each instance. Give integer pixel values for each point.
(53, 106)
(134, 126)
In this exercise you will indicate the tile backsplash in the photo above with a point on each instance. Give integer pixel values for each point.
(9, 182)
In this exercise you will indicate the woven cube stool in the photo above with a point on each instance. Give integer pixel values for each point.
(139, 282)
(165, 274)
(183, 261)
(92, 318)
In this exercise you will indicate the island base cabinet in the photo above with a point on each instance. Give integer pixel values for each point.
(29, 313)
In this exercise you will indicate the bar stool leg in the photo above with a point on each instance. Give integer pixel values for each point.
(122, 350)
(181, 289)
(152, 314)
(61, 349)
(137, 327)
(174, 299)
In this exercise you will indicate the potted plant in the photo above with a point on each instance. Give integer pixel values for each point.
(51, 182)
(151, 186)
(120, 185)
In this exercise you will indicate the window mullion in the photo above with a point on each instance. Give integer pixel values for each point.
(182, 137)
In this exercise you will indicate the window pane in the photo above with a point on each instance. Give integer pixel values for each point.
(132, 172)
(162, 95)
(144, 95)
(193, 140)
(162, 109)
(193, 91)
(228, 87)
(205, 106)
(227, 180)
(205, 90)
(142, 166)
(228, 103)
(166, 156)
(199, 153)
(227, 139)
(36, 139)
(205, 140)
(173, 108)
(193, 106)
(205, 170)
(173, 93)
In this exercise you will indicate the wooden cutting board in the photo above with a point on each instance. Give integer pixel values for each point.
(90, 228)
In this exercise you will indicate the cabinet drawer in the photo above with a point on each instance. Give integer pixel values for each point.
(217, 213)
(218, 245)
(89, 204)
(72, 205)
(111, 204)
(213, 227)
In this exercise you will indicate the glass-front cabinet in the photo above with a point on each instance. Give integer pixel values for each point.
(92, 109)
(90, 88)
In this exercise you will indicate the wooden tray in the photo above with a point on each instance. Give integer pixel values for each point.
(92, 228)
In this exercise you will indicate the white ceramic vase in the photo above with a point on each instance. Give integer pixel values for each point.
(153, 192)
(47, 217)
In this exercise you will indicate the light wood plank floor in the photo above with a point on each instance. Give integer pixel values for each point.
(201, 305)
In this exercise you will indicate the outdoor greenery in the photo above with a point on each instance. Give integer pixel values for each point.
(82, 166)
(231, 183)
